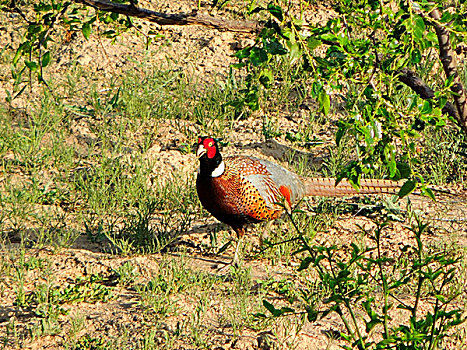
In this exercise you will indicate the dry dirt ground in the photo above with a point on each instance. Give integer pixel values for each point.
(207, 54)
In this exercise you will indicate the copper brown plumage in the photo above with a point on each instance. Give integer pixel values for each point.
(241, 190)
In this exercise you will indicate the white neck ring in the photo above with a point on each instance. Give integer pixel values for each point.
(219, 170)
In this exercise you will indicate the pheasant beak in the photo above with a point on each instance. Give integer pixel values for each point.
(200, 151)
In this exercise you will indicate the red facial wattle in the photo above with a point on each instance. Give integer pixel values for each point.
(211, 152)
(210, 147)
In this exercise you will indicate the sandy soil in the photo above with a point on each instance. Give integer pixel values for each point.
(207, 54)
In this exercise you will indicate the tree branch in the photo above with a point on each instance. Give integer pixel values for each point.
(174, 19)
(448, 59)
(410, 79)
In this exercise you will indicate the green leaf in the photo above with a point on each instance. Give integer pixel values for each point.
(404, 170)
(329, 37)
(371, 324)
(45, 59)
(286, 310)
(288, 34)
(324, 102)
(258, 56)
(419, 27)
(343, 274)
(316, 88)
(269, 306)
(41, 7)
(431, 36)
(305, 263)
(390, 155)
(446, 17)
(407, 188)
(31, 65)
(426, 107)
(266, 78)
(342, 129)
(313, 43)
(243, 53)
(252, 100)
(294, 52)
(429, 193)
(253, 10)
(35, 28)
(86, 30)
(19, 52)
(276, 11)
(275, 48)
(312, 315)
(416, 56)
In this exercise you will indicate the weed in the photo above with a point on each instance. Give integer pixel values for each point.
(241, 303)
(365, 280)
(46, 297)
(172, 279)
(270, 128)
(197, 327)
(12, 336)
(127, 274)
(77, 324)
(80, 163)
(157, 222)
(88, 342)
(282, 241)
(90, 289)
(21, 266)
(445, 157)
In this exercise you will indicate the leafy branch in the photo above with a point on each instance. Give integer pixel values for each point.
(369, 50)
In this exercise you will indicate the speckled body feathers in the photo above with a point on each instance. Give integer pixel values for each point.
(248, 191)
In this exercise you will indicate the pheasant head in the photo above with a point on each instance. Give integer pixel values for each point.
(210, 158)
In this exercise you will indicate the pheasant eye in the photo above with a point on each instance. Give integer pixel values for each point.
(210, 144)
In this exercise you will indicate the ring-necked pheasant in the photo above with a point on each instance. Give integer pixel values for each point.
(240, 190)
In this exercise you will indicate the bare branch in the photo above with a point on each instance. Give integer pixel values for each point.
(174, 19)
(448, 59)
(410, 79)
(13, 8)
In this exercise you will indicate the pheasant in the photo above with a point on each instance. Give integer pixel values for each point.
(242, 190)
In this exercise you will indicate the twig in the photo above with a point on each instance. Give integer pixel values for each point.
(41, 43)
(14, 8)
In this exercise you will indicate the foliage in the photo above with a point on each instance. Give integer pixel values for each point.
(357, 57)
(368, 281)
(35, 52)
